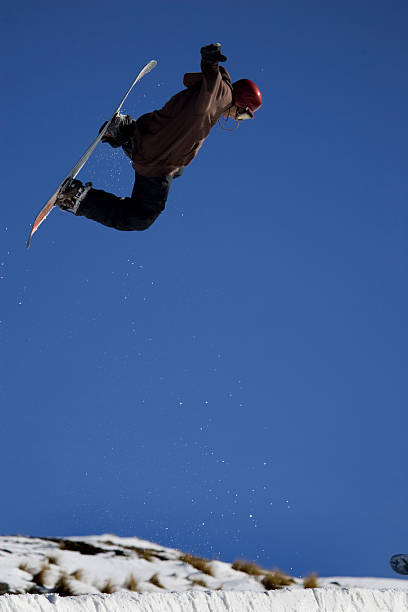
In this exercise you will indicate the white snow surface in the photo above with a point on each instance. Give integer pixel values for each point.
(286, 600)
(108, 572)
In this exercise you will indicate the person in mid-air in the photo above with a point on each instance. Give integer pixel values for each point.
(160, 144)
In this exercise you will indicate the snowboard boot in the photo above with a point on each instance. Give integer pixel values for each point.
(72, 195)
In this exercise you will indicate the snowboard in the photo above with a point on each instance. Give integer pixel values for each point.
(399, 564)
(47, 208)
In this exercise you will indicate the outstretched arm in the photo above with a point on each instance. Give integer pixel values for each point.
(210, 57)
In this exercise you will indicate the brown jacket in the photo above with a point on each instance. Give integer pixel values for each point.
(168, 139)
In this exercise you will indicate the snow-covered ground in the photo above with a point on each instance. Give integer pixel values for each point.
(310, 600)
(111, 573)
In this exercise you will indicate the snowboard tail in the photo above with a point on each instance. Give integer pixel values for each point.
(47, 208)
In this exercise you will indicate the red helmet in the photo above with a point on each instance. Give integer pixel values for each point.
(246, 96)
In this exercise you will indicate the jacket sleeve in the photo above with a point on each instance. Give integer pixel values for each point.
(210, 87)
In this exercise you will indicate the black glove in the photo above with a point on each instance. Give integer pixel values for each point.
(107, 138)
(119, 131)
(212, 53)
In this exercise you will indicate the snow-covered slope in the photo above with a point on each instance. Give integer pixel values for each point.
(310, 600)
(107, 563)
(111, 573)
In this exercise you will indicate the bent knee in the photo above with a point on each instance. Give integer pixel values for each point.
(140, 225)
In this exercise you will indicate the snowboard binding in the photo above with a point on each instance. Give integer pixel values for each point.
(71, 195)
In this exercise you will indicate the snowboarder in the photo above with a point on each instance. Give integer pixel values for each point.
(161, 143)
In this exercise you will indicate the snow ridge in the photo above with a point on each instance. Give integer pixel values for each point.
(287, 600)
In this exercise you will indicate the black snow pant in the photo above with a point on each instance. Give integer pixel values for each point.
(138, 212)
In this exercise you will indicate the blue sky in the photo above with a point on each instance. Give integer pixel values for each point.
(231, 382)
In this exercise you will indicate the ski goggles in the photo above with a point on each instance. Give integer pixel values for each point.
(244, 113)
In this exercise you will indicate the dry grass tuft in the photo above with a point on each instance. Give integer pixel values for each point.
(5, 589)
(248, 567)
(198, 582)
(40, 577)
(78, 575)
(143, 553)
(131, 583)
(310, 582)
(25, 567)
(53, 560)
(276, 580)
(200, 564)
(146, 555)
(108, 587)
(155, 580)
(63, 586)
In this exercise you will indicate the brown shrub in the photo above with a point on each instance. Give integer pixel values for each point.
(248, 567)
(310, 582)
(41, 577)
(108, 587)
(200, 564)
(199, 582)
(63, 586)
(53, 560)
(146, 553)
(276, 580)
(78, 575)
(155, 580)
(25, 567)
(131, 583)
